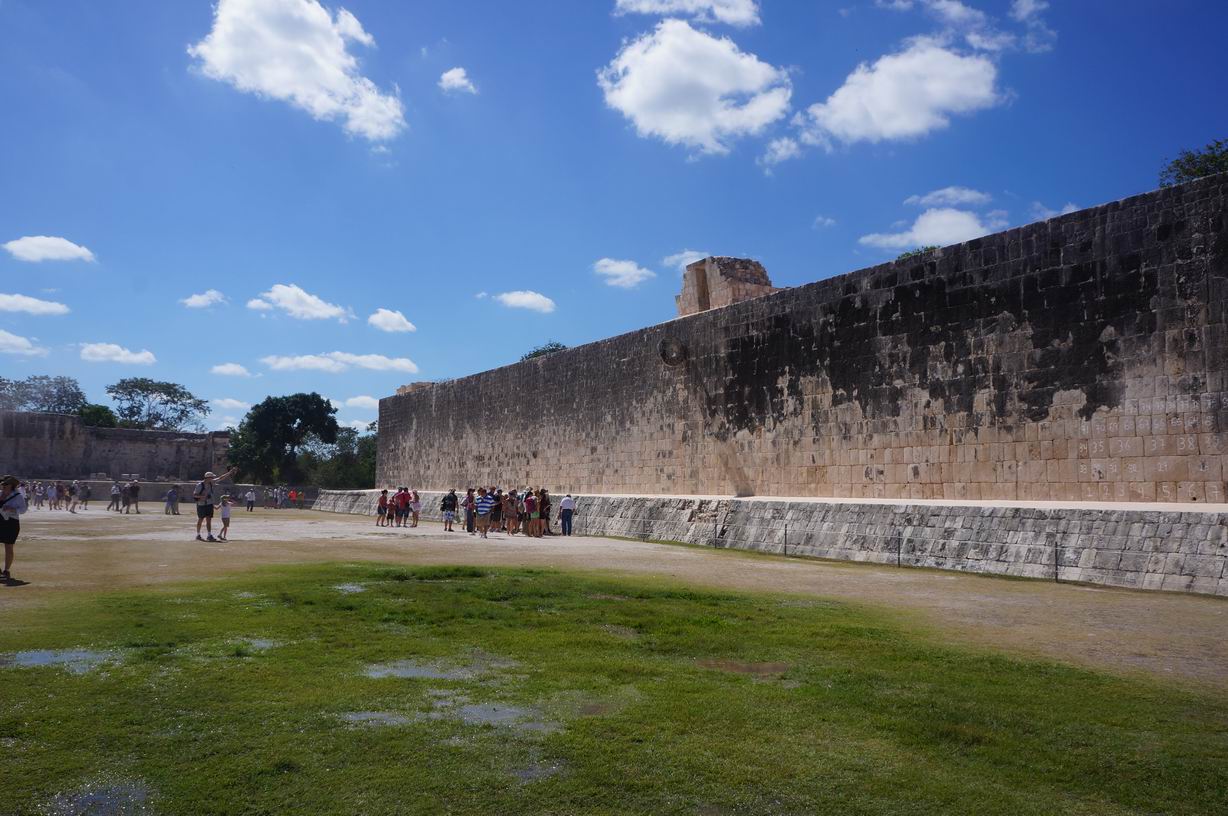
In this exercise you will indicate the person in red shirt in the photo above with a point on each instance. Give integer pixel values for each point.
(381, 510)
(402, 506)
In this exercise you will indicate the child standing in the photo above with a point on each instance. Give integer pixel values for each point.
(227, 503)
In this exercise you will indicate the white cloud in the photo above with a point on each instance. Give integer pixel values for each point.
(204, 299)
(362, 402)
(335, 362)
(823, 222)
(685, 258)
(780, 150)
(526, 300)
(954, 13)
(297, 52)
(959, 18)
(949, 196)
(1042, 213)
(47, 248)
(19, 346)
(937, 227)
(690, 88)
(356, 424)
(623, 274)
(112, 353)
(730, 12)
(297, 303)
(390, 321)
(482, 295)
(903, 96)
(456, 80)
(228, 404)
(894, 5)
(29, 305)
(231, 370)
(225, 423)
(1024, 10)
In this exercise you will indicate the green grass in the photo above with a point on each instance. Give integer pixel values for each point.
(866, 718)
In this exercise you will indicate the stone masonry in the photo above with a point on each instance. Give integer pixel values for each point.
(1081, 358)
(715, 282)
(59, 446)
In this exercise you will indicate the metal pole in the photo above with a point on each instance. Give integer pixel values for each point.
(786, 537)
(1056, 579)
(899, 551)
(715, 524)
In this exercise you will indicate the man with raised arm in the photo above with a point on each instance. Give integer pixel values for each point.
(203, 494)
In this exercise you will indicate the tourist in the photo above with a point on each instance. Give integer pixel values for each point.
(509, 512)
(225, 510)
(40, 494)
(544, 506)
(86, 491)
(530, 512)
(203, 494)
(268, 499)
(381, 509)
(467, 504)
(482, 506)
(73, 491)
(125, 495)
(52, 497)
(292, 495)
(496, 512)
(402, 506)
(12, 505)
(447, 506)
(302, 498)
(134, 495)
(249, 499)
(115, 491)
(172, 502)
(567, 509)
(415, 507)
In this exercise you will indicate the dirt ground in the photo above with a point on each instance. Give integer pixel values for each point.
(1181, 638)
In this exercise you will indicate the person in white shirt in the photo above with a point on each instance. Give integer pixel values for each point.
(250, 498)
(567, 509)
(12, 505)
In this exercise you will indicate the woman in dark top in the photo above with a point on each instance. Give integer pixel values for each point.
(12, 505)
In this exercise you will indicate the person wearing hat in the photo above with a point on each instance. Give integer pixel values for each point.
(12, 505)
(203, 494)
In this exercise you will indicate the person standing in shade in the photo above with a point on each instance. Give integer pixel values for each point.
(567, 509)
(12, 505)
(203, 494)
(250, 498)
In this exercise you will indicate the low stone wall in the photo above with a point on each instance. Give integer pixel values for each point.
(155, 492)
(1138, 549)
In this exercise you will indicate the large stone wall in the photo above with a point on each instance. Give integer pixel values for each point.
(58, 446)
(1080, 358)
(1127, 547)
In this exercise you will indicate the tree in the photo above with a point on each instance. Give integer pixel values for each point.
(97, 416)
(1194, 164)
(348, 463)
(266, 444)
(156, 406)
(43, 394)
(549, 347)
(913, 253)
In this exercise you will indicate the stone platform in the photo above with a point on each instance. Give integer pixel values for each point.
(1138, 546)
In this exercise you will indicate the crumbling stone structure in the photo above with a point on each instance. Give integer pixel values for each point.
(715, 282)
(60, 446)
(1080, 358)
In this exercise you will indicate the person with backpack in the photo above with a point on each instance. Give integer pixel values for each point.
(203, 494)
(12, 505)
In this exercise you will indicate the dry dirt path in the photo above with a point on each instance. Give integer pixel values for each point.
(1183, 638)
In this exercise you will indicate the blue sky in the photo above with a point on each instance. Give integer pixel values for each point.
(467, 166)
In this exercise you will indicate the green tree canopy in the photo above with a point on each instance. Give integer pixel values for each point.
(50, 395)
(913, 253)
(152, 405)
(348, 463)
(97, 416)
(266, 444)
(549, 347)
(1194, 164)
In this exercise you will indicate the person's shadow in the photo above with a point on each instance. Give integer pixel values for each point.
(14, 582)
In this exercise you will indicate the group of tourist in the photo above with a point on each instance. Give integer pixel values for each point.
(59, 495)
(125, 497)
(284, 498)
(481, 511)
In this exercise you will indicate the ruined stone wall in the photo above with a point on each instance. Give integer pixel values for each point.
(1080, 358)
(59, 446)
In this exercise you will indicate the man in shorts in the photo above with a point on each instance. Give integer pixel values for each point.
(482, 506)
(203, 494)
(448, 508)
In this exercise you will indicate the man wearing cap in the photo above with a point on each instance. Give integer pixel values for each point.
(203, 494)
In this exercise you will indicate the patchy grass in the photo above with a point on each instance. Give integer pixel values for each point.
(557, 694)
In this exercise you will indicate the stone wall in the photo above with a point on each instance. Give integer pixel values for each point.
(1080, 358)
(1138, 549)
(58, 446)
